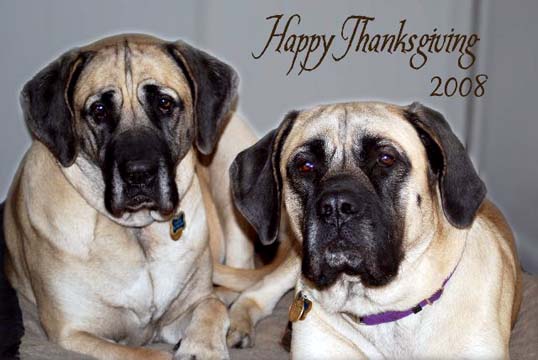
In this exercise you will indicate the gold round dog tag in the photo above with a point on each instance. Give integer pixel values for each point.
(296, 310)
(299, 308)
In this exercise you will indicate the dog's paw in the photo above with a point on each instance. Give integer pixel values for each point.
(241, 332)
(201, 350)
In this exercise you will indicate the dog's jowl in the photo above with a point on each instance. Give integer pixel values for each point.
(92, 214)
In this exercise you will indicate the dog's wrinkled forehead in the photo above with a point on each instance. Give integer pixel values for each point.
(342, 126)
(124, 64)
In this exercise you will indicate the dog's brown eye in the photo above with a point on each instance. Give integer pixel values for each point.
(306, 167)
(165, 104)
(98, 111)
(386, 160)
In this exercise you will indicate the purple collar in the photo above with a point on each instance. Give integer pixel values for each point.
(390, 316)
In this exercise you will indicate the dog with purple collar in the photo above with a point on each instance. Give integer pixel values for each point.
(398, 253)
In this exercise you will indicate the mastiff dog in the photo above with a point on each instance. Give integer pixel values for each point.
(398, 253)
(107, 222)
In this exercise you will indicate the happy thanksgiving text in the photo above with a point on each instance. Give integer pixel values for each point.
(309, 51)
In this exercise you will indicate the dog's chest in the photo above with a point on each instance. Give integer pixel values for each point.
(394, 340)
(397, 339)
(149, 271)
(418, 335)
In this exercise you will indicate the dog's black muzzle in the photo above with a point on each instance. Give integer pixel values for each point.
(349, 230)
(139, 174)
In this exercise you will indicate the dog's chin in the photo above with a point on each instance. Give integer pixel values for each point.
(341, 259)
(329, 277)
(139, 206)
(141, 212)
(345, 267)
(159, 210)
(141, 218)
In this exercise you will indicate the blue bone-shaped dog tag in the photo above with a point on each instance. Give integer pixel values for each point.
(177, 225)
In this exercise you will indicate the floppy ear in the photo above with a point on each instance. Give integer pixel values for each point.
(462, 191)
(213, 86)
(257, 183)
(46, 101)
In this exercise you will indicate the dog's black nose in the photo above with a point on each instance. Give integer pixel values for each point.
(139, 172)
(338, 207)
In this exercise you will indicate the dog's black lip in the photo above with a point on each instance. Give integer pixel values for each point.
(144, 205)
(138, 202)
(139, 198)
(150, 204)
(360, 271)
(323, 281)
